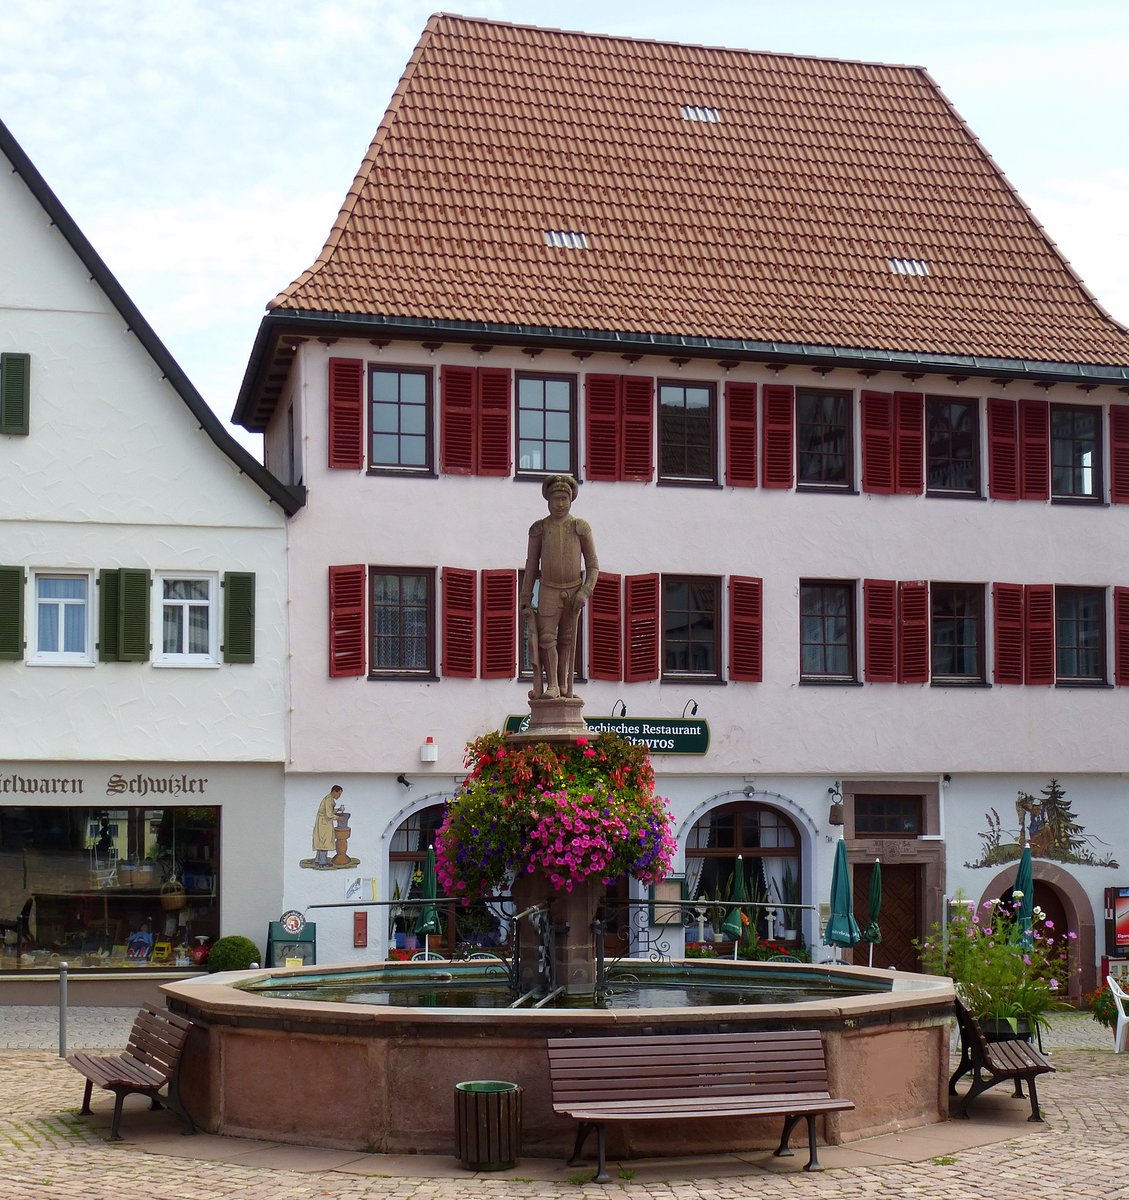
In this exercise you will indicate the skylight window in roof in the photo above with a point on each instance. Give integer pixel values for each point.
(700, 112)
(909, 266)
(566, 239)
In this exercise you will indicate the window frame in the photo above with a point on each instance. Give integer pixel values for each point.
(163, 658)
(847, 484)
(974, 491)
(61, 658)
(949, 678)
(850, 590)
(1096, 493)
(685, 477)
(544, 377)
(401, 672)
(1101, 677)
(427, 468)
(714, 583)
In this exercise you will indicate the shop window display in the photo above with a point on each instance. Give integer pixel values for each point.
(107, 887)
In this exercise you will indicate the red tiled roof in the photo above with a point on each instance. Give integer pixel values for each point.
(779, 221)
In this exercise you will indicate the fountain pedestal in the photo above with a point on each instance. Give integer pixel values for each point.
(572, 913)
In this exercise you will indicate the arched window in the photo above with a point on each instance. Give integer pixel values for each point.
(406, 859)
(769, 845)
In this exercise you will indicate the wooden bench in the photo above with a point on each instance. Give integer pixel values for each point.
(707, 1076)
(990, 1063)
(151, 1061)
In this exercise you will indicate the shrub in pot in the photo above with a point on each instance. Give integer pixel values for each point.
(233, 953)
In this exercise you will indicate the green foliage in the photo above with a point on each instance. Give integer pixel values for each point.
(233, 953)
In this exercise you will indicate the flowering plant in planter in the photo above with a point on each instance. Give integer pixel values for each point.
(999, 973)
(584, 810)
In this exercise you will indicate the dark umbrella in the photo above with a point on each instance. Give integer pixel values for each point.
(1023, 899)
(427, 922)
(842, 928)
(732, 924)
(872, 933)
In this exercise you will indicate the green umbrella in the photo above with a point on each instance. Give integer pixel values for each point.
(1023, 899)
(732, 924)
(872, 933)
(842, 928)
(428, 920)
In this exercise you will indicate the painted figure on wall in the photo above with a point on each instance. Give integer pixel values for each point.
(331, 834)
(561, 561)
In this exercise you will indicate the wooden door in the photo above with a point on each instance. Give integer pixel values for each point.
(900, 917)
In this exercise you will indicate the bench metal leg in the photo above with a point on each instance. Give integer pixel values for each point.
(784, 1150)
(584, 1128)
(582, 1131)
(85, 1109)
(119, 1099)
(813, 1158)
(1036, 1115)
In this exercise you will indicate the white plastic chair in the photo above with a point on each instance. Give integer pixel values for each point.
(427, 956)
(1121, 999)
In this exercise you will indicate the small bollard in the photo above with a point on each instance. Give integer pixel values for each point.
(62, 1010)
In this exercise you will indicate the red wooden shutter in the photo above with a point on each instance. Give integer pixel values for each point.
(740, 434)
(493, 421)
(602, 427)
(638, 428)
(605, 624)
(746, 658)
(459, 588)
(880, 626)
(347, 620)
(346, 414)
(913, 631)
(779, 434)
(1121, 636)
(641, 628)
(456, 420)
(499, 624)
(877, 410)
(1034, 450)
(1039, 628)
(1003, 450)
(1007, 616)
(1119, 453)
(909, 442)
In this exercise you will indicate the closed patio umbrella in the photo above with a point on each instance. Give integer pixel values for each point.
(872, 933)
(427, 922)
(842, 928)
(732, 924)
(1023, 898)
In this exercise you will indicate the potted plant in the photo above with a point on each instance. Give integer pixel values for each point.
(1009, 981)
(788, 893)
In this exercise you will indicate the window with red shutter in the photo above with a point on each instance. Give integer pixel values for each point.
(913, 631)
(877, 416)
(459, 622)
(641, 628)
(779, 435)
(401, 622)
(493, 386)
(605, 628)
(909, 442)
(499, 624)
(1121, 636)
(1035, 450)
(827, 631)
(456, 420)
(1003, 450)
(474, 421)
(638, 429)
(746, 656)
(740, 434)
(1039, 633)
(1007, 624)
(603, 435)
(880, 627)
(619, 427)
(1119, 453)
(347, 620)
(690, 627)
(346, 414)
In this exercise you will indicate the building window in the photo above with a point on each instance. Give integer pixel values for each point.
(187, 633)
(400, 417)
(1075, 452)
(546, 424)
(691, 626)
(63, 618)
(827, 631)
(957, 615)
(952, 446)
(824, 449)
(1080, 635)
(687, 433)
(888, 816)
(403, 622)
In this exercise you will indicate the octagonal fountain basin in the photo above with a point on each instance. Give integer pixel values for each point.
(372, 1064)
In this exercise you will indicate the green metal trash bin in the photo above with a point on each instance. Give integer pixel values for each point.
(487, 1124)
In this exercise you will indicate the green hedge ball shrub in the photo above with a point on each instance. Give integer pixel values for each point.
(233, 953)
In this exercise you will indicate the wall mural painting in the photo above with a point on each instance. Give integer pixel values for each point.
(330, 839)
(1047, 824)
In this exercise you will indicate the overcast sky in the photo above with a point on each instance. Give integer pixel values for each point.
(204, 148)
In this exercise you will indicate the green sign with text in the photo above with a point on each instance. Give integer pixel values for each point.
(659, 734)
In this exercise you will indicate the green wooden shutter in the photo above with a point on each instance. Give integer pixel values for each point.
(108, 599)
(11, 612)
(133, 615)
(15, 393)
(239, 616)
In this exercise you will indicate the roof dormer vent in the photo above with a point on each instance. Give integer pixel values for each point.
(701, 112)
(566, 239)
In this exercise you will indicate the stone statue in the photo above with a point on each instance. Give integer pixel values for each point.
(562, 559)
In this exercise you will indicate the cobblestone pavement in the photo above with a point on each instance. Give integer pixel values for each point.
(51, 1152)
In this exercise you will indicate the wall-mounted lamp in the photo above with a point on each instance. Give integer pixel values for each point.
(750, 792)
(429, 751)
(404, 781)
(835, 816)
(622, 709)
(692, 705)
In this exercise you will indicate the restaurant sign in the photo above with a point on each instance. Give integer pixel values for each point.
(660, 735)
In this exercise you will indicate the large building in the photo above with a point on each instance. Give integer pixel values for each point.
(142, 628)
(852, 435)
